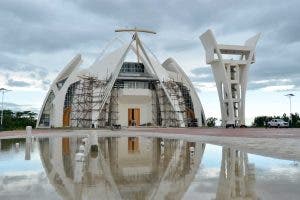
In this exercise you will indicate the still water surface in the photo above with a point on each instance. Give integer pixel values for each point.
(85, 168)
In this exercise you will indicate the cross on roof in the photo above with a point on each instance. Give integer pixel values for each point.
(136, 37)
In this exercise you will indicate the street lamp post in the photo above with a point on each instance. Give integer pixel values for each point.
(290, 98)
(3, 90)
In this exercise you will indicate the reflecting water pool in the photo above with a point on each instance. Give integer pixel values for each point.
(91, 167)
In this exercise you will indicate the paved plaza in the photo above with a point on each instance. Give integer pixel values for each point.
(278, 143)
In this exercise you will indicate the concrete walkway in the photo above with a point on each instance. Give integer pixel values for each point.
(278, 143)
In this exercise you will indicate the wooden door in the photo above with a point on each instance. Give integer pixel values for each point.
(130, 116)
(66, 117)
(133, 116)
(137, 116)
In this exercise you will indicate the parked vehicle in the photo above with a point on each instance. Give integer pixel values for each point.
(279, 123)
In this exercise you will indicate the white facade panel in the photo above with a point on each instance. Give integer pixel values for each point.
(144, 103)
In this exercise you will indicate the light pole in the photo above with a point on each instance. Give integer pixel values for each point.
(3, 90)
(290, 97)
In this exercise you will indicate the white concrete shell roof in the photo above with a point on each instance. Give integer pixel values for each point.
(108, 67)
(172, 66)
(109, 63)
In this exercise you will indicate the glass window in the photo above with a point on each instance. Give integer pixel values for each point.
(45, 117)
(136, 84)
(61, 83)
(132, 67)
(70, 94)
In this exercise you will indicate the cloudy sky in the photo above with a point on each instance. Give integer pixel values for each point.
(38, 38)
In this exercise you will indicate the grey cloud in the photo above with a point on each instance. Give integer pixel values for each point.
(15, 65)
(253, 85)
(45, 84)
(14, 83)
(10, 66)
(36, 27)
(229, 16)
(37, 38)
(276, 61)
(20, 107)
(6, 104)
(180, 47)
(56, 26)
(207, 78)
(201, 70)
(274, 71)
(260, 77)
(7, 63)
(147, 14)
(201, 74)
(25, 11)
(56, 31)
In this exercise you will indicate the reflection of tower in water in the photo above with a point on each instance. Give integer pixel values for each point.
(120, 167)
(237, 176)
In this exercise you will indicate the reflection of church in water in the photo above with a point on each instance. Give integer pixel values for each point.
(120, 167)
(137, 168)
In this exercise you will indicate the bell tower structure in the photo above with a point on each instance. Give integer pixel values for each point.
(230, 65)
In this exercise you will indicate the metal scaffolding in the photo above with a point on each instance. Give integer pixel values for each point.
(156, 112)
(163, 112)
(168, 114)
(88, 96)
(113, 114)
(190, 119)
(86, 103)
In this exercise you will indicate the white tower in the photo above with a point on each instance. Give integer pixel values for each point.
(230, 64)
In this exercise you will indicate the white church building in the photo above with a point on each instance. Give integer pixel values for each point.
(116, 92)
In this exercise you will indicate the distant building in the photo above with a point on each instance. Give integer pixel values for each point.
(230, 65)
(113, 91)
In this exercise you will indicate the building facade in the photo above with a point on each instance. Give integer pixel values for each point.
(114, 91)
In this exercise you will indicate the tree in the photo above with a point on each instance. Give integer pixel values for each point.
(295, 120)
(211, 121)
(260, 121)
(18, 120)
